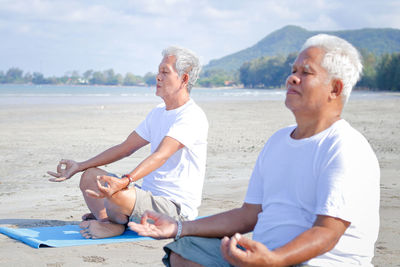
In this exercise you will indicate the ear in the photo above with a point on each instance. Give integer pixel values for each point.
(337, 88)
(185, 78)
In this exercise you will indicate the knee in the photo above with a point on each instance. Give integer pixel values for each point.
(88, 178)
(114, 213)
(177, 260)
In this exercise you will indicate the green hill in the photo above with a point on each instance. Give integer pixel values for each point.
(290, 39)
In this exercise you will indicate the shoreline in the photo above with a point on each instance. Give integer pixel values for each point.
(35, 137)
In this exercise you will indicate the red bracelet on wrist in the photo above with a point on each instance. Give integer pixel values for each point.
(129, 177)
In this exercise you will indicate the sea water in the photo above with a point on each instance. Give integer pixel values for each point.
(64, 94)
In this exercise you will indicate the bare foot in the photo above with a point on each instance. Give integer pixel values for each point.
(88, 217)
(98, 229)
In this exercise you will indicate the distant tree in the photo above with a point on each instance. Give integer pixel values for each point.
(370, 62)
(97, 78)
(2, 77)
(131, 79)
(14, 75)
(388, 72)
(28, 77)
(110, 77)
(216, 77)
(38, 78)
(87, 75)
(244, 74)
(266, 72)
(71, 77)
(150, 79)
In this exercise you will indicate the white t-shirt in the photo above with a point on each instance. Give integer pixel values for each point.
(333, 173)
(181, 177)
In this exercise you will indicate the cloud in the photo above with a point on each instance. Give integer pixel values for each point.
(58, 36)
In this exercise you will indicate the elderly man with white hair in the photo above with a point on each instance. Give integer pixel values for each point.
(173, 174)
(313, 196)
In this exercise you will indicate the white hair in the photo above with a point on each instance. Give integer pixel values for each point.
(341, 60)
(186, 62)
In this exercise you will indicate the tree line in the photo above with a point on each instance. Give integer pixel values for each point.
(89, 77)
(380, 73)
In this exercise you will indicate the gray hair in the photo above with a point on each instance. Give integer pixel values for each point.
(341, 60)
(186, 62)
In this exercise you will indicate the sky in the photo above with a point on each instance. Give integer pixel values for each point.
(55, 37)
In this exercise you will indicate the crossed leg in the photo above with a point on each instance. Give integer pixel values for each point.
(110, 214)
(177, 260)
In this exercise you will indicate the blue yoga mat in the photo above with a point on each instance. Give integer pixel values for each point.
(63, 236)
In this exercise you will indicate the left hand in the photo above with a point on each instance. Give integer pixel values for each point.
(163, 226)
(114, 185)
(255, 253)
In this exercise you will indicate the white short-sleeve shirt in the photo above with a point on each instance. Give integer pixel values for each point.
(181, 177)
(334, 173)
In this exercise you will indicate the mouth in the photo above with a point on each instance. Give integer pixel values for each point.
(291, 91)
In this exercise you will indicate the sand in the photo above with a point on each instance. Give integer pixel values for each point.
(34, 138)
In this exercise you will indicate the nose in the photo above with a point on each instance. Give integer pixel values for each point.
(158, 77)
(293, 79)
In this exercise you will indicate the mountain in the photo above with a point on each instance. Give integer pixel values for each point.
(290, 39)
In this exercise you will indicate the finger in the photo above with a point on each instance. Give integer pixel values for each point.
(55, 174)
(232, 253)
(225, 248)
(248, 244)
(57, 179)
(237, 239)
(93, 194)
(105, 178)
(144, 218)
(225, 243)
(154, 215)
(59, 169)
(103, 190)
(64, 161)
(138, 228)
(232, 245)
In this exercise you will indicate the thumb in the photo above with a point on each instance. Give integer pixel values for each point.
(150, 214)
(143, 220)
(93, 194)
(245, 242)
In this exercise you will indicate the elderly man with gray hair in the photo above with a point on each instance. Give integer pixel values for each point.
(173, 174)
(313, 196)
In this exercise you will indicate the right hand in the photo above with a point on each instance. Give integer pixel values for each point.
(62, 174)
(163, 226)
(114, 185)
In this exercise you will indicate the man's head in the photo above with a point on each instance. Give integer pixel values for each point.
(341, 60)
(323, 75)
(186, 63)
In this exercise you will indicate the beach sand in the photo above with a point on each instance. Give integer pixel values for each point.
(34, 138)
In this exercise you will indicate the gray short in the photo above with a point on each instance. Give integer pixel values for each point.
(146, 201)
(202, 250)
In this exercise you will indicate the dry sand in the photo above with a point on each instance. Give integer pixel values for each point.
(34, 138)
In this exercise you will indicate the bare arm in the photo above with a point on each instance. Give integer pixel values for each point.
(132, 143)
(240, 220)
(227, 223)
(164, 151)
(321, 238)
